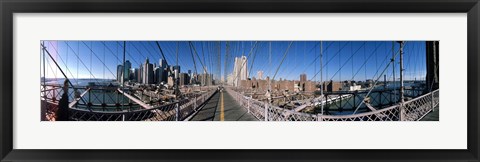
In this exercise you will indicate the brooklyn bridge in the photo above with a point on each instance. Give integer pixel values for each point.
(117, 81)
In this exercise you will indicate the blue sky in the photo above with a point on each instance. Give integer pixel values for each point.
(343, 60)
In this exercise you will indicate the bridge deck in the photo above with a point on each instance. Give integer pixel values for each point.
(227, 110)
(432, 116)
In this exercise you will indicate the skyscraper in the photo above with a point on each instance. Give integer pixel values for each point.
(205, 79)
(147, 72)
(132, 75)
(158, 75)
(162, 63)
(170, 71)
(184, 79)
(126, 73)
(140, 74)
(155, 74)
(240, 70)
(136, 74)
(176, 71)
(190, 76)
(260, 74)
(119, 73)
(150, 74)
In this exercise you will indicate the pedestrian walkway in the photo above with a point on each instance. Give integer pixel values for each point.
(432, 116)
(222, 107)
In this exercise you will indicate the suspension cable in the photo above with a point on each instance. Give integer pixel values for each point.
(91, 50)
(283, 59)
(375, 83)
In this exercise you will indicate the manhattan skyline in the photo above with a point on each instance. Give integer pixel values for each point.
(342, 60)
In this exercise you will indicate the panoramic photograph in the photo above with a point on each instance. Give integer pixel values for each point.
(239, 80)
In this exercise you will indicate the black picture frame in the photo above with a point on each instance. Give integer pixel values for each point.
(9, 7)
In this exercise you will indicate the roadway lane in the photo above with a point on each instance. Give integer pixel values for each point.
(222, 107)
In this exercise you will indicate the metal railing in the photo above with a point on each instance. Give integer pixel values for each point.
(91, 105)
(411, 110)
(174, 111)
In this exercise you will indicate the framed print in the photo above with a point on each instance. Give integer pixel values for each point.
(232, 80)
